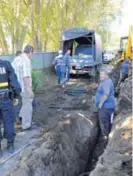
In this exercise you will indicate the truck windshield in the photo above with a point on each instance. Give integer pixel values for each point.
(83, 50)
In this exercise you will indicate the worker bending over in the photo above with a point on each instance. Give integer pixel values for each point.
(105, 102)
(59, 63)
(9, 88)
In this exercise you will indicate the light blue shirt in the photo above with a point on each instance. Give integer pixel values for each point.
(106, 87)
(59, 63)
(67, 59)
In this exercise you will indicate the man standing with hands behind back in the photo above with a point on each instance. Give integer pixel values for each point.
(105, 102)
(23, 71)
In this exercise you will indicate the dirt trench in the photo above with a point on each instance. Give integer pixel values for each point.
(70, 143)
(69, 132)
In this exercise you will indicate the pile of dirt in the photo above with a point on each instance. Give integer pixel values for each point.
(64, 150)
(117, 158)
(125, 97)
(69, 134)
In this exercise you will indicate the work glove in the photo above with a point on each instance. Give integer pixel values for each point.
(15, 102)
(30, 92)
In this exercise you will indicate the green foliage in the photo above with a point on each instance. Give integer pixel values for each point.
(37, 79)
(40, 22)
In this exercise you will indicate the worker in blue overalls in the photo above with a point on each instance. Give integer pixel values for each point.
(60, 68)
(67, 59)
(105, 102)
(8, 82)
(124, 70)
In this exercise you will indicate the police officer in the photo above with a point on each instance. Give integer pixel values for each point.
(60, 68)
(105, 102)
(67, 59)
(8, 82)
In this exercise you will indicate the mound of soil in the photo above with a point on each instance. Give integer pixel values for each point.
(125, 97)
(69, 134)
(64, 150)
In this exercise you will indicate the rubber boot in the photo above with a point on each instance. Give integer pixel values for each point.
(10, 146)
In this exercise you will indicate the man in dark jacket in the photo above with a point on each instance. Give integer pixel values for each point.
(8, 85)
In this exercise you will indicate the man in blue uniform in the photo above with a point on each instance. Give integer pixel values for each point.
(124, 69)
(67, 59)
(60, 68)
(105, 102)
(8, 86)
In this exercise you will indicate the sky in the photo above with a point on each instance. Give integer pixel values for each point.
(121, 29)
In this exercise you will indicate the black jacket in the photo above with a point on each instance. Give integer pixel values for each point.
(7, 74)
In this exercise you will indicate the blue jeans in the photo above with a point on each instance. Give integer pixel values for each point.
(7, 117)
(60, 75)
(105, 120)
(67, 73)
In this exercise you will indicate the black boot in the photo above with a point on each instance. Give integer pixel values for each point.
(10, 146)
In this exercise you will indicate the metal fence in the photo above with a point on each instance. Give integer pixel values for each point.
(40, 60)
(41, 63)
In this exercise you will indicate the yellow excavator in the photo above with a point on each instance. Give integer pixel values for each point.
(126, 51)
(126, 46)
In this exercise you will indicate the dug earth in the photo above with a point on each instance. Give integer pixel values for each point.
(69, 134)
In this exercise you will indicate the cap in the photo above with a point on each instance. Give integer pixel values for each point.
(60, 52)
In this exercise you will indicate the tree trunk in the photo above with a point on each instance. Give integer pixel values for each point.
(47, 26)
(38, 8)
(3, 40)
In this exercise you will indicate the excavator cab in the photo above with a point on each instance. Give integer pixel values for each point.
(126, 47)
(122, 50)
(123, 42)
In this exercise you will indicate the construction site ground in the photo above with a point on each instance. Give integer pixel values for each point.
(65, 140)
